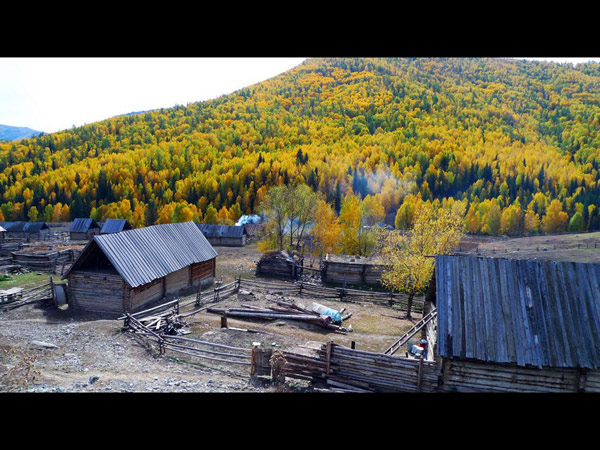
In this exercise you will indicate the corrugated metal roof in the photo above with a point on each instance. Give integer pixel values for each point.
(528, 312)
(145, 254)
(29, 227)
(222, 231)
(114, 226)
(80, 225)
(34, 227)
(10, 226)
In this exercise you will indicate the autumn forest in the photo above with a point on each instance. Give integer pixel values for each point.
(514, 146)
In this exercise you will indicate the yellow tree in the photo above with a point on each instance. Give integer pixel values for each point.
(350, 221)
(408, 255)
(32, 214)
(327, 229)
(556, 219)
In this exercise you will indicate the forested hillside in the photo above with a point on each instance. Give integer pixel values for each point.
(515, 144)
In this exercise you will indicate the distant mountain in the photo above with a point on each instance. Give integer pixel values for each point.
(8, 133)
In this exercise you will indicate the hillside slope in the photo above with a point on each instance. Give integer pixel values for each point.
(503, 137)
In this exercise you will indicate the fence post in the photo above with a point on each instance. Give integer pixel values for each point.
(420, 374)
(52, 291)
(327, 358)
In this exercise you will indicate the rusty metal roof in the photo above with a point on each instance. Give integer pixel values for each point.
(528, 312)
(146, 254)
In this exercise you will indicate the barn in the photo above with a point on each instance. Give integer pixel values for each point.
(83, 229)
(224, 235)
(115, 226)
(129, 270)
(509, 325)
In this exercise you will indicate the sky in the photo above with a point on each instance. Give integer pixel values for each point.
(54, 94)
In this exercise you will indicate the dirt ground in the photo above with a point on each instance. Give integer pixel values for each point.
(577, 247)
(49, 349)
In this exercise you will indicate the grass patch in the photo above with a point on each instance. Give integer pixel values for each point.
(24, 280)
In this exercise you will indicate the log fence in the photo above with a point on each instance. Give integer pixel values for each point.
(42, 293)
(338, 293)
(346, 369)
(188, 346)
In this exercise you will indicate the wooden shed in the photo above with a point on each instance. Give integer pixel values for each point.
(284, 264)
(509, 325)
(129, 270)
(224, 235)
(352, 270)
(83, 229)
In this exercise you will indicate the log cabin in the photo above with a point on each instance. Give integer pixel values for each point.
(83, 229)
(352, 270)
(224, 235)
(130, 270)
(510, 325)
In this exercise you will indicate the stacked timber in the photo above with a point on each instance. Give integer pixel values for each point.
(284, 311)
(161, 319)
(284, 264)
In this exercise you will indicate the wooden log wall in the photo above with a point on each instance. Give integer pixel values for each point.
(177, 281)
(203, 272)
(276, 268)
(473, 376)
(47, 262)
(351, 273)
(98, 292)
(142, 295)
(360, 371)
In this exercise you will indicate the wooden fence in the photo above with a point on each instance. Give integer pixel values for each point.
(40, 293)
(154, 324)
(341, 294)
(187, 346)
(352, 370)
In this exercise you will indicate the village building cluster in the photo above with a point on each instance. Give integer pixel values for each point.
(494, 324)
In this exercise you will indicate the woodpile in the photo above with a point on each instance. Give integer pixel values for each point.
(161, 319)
(283, 311)
(186, 346)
